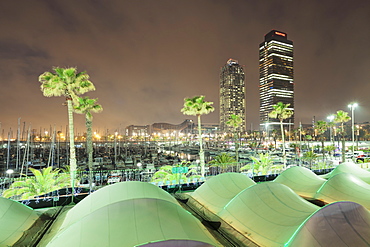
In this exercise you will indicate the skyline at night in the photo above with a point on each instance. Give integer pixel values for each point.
(145, 57)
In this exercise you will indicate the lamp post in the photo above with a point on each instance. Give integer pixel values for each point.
(352, 107)
(357, 135)
(9, 172)
(330, 118)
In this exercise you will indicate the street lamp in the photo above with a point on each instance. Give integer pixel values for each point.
(357, 135)
(9, 172)
(352, 107)
(331, 118)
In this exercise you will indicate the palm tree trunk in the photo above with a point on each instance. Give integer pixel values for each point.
(72, 149)
(343, 145)
(323, 149)
(236, 141)
(283, 141)
(343, 149)
(201, 152)
(89, 147)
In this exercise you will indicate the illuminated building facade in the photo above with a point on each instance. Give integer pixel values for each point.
(276, 76)
(232, 94)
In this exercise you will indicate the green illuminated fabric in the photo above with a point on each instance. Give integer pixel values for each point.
(268, 213)
(301, 180)
(135, 222)
(337, 224)
(115, 193)
(345, 187)
(216, 192)
(352, 168)
(15, 219)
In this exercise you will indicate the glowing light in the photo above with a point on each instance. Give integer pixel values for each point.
(280, 34)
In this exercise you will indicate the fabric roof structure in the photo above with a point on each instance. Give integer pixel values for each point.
(267, 213)
(345, 187)
(301, 180)
(216, 192)
(337, 224)
(131, 214)
(15, 219)
(352, 168)
(114, 193)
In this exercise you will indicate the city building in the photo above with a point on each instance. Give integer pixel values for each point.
(166, 128)
(186, 127)
(232, 94)
(276, 77)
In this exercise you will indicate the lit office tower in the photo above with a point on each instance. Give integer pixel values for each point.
(276, 77)
(232, 94)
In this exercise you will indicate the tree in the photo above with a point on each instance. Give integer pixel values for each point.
(308, 138)
(309, 156)
(261, 164)
(321, 127)
(164, 174)
(87, 106)
(234, 122)
(197, 107)
(274, 136)
(281, 112)
(329, 149)
(43, 182)
(342, 117)
(223, 161)
(67, 82)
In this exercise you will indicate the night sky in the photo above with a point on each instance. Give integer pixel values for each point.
(145, 57)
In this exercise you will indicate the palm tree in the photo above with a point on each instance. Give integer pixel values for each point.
(329, 149)
(164, 174)
(87, 106)
(308, 138)
(274, 136)
(342, 117)
(43, 182)
(197, 107)
(321, 127)
(223, 161)
(281, 112)
(309, 156)
(263, 163)
(234, 122)
(67, 82)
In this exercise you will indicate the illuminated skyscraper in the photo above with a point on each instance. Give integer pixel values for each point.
(276, 76)
(232, 93)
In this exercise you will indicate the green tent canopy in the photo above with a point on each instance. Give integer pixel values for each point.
(267, 214)
(15, 219)
(114, 193)
(337, 224)
(301, 180)
(345, 187)
(135, 222)
(216, 192)
(352, 168)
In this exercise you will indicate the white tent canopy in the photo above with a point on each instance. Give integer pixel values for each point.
(345, 187)
(15, 219)
(216, 192)
(338, 224)
(115, 193)
(130, 214)
(301, 180)
(135, 222)
(267, 213)
(352, 168)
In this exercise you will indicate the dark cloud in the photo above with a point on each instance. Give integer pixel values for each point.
(145, 57)
(14, 49)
